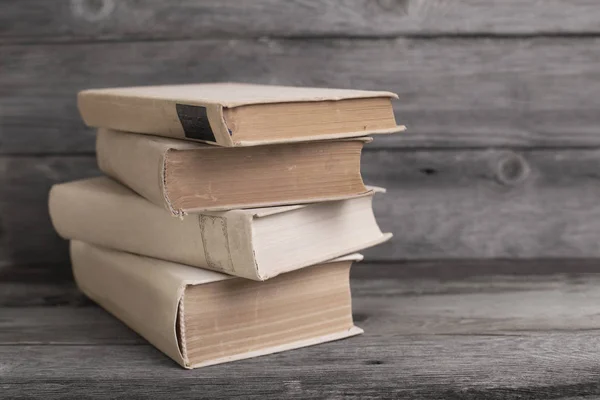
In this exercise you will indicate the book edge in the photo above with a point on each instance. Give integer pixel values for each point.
(341, 94)
(320, 138)
(261, 212)
(352, 331)
(291, 203)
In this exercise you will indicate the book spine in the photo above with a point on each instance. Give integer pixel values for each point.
(237, 253)
(139, 291)
(197, 122)
(136, 161)
(124, 221)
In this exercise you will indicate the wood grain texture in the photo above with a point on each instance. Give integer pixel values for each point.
(70, 20)
(486, 204)
(492, 337)
(72, 326)
(41, 294)
(384, 302)
(42, 287)
(453, 92)
(541, 366)
(26, 233)
(439, 204)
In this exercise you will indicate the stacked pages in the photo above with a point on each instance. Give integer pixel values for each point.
(226, 223)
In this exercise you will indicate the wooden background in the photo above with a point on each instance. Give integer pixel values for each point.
(501, 161)
(501, 98)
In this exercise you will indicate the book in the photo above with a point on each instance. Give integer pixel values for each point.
(188, 177)
(199, 317)
(233, 114)
(256, 244)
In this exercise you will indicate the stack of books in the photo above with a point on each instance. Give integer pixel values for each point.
(226, 223)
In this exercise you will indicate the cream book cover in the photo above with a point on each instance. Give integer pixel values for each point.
(256, 244)
(236, 114)
(186, 177)
(200, 318)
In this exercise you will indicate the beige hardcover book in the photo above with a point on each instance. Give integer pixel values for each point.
(199, 317)
(188, 177)
(233, 114)
(256, 244)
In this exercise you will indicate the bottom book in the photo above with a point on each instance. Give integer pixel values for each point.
(199, 317)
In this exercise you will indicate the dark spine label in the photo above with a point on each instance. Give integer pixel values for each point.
(194, 121)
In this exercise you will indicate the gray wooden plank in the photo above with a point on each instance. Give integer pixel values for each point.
(382, 305)
(64, 20)
(453, 269)
(537, 366)
(486, 203)
(65, 326)
(53, 285)
(26, 233)
(454, 92)
(493, 337)
(480, 305)
(439, 205)
(40, 294)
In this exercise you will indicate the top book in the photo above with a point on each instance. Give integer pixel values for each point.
(237, 115)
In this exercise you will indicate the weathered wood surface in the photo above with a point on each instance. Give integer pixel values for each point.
(454, 92)
(439, 204)
(70, 20)
(491, 203)
(470, 73)
(386, 301)
(26, 233)
(41, 294)
(46, 286)
(536, 366)
(486, 336)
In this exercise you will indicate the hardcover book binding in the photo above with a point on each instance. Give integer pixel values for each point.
(186, 177)
(256, 244)
(199, 317)
(233, 114)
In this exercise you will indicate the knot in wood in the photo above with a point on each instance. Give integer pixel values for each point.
(512, 169)
(92, 10)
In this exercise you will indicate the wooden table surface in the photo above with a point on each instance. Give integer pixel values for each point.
(475, 330)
